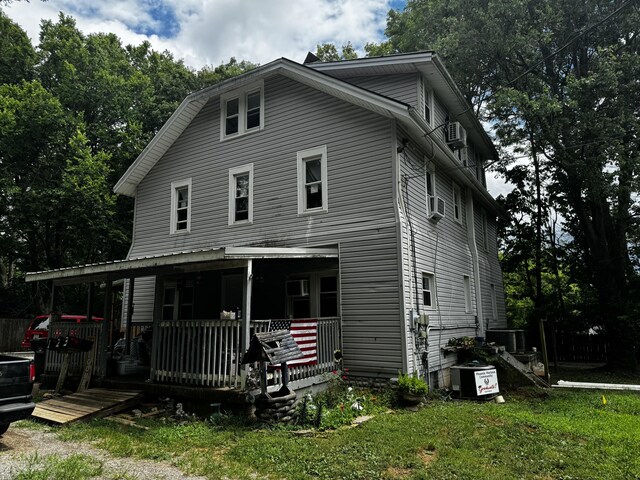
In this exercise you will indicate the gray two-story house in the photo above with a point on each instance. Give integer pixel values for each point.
(346, 197)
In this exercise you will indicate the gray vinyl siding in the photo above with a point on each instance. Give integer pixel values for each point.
(403, 88)
(440, 117)
(360, 215)
(144, 289)
(441, 249)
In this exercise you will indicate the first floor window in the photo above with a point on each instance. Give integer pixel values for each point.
(329, 296)
(181, 206)
(177, 301)
(241, 194)
(466, 280)
(494, 302)
(428, 287)
(312, 180)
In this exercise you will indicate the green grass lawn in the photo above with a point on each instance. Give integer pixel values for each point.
(558, 434)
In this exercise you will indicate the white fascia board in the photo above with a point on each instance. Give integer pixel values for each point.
(124, 268)
(192, 105)
(233, 253)
(311, 77)
(464, 104)
(120, 266)
(404, 58)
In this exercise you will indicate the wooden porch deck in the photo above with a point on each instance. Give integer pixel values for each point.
(91, 403)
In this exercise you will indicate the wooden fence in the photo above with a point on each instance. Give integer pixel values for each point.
(574, 347)
(12, 333)
(87, 330)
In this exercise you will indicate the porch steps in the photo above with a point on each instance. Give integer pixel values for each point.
(91, 403)
(509, 361)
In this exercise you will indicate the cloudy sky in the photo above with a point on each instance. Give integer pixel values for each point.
(210, 32)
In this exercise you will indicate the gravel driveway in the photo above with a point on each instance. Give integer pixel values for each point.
(19, 447)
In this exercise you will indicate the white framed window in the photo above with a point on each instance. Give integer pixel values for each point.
(242, 111)
(181, 206)
(241, 194)
(430, 182)
(484, 233)
(457, 203)
(466, 282)
(428, 290)
(425, 94)
(312, 180)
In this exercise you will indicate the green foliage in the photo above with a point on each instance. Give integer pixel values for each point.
(327, 52)
(338, 404)
(412, 384)
(561, 434)
(53, 467)
(73, 117)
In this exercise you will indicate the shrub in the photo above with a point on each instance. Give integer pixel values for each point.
(412, 384)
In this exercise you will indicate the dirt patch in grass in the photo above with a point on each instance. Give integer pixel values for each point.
(427, 456)
(397, 472)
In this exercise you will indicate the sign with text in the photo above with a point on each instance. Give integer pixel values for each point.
(487, 382)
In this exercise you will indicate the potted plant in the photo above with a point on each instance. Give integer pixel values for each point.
(412, 388)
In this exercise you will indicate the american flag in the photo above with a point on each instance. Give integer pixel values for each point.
(305, 332)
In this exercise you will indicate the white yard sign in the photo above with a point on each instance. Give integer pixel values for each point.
(487, 382)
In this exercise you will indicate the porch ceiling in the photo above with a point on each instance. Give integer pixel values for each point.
(225, 257)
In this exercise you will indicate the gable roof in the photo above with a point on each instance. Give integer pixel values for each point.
(314, 76)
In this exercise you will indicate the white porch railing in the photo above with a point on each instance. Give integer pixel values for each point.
(328, 342)
(208, 352)
(77, 361)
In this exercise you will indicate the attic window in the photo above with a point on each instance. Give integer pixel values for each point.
(242, 111)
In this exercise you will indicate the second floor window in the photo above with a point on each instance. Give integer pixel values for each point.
(242, 111)
(457, 203)
(312, 180)
(181, 206)
(241, 194)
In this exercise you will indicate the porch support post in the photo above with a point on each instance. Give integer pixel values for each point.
(106, 325)
(246, 317)
(127, 336)
(54, 297)
(90, 290)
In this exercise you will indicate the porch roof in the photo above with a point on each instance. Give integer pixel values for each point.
(176, 262)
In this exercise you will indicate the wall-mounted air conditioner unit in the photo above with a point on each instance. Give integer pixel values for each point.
(298, 288)
(456, 135)
(436, 208)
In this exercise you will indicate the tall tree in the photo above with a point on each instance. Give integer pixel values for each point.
(559, 76)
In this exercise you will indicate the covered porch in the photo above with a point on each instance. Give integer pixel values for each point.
(205, 306)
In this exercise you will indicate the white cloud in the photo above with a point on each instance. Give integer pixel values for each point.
(209, 32)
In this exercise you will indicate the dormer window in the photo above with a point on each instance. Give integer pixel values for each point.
(242, 111)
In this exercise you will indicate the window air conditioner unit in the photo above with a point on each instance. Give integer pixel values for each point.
(437, 206)
(456, 135)
(298, 288)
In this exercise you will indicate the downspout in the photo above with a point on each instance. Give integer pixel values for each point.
(397, 198)
(473, 248)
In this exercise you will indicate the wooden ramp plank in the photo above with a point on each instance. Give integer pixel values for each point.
(91, 403)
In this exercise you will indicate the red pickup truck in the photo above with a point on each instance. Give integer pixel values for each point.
(39, 327)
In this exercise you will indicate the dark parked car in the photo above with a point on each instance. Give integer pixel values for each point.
(39, 327)
(16, 383)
